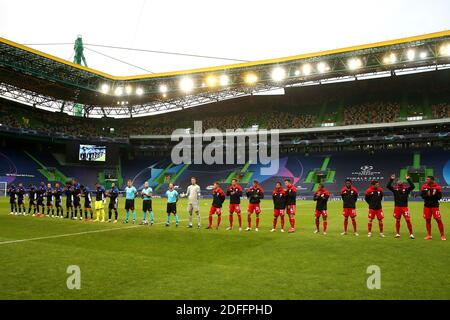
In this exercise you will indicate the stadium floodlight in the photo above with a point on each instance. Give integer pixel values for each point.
(163, 88)
(278, 74)
(104, 88)
(322, 67)
(251, 78)
(411, 54)
(186, 84)
(128, 89)
(445, 49)
(354, 63)
(306, 68)
(118, 91)
(224, 80)
(297, 72)
(211, 81)
(423, 55)
(390, 59)
(139, 91)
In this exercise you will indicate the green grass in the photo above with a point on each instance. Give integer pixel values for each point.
(179, 263)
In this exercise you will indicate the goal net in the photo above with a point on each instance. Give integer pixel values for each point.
(3, 187)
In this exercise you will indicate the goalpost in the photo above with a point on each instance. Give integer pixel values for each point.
(3, 188)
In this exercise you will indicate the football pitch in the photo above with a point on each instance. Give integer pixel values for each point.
(125, 261)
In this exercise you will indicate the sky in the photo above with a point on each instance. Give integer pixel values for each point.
(237, 29)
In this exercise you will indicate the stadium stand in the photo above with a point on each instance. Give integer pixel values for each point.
(365, 102)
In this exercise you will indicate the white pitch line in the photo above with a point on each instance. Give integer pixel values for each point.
(75, 234)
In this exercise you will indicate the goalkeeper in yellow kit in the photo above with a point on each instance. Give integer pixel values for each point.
(100, 198)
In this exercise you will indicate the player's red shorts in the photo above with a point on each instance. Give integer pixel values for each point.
(278, 212)
(431, 212)
(290, 209)
(322, 213)
(376, 213)
(254, 207)
(215, 210)
(349, 212)
(235, 208)
(401, 211)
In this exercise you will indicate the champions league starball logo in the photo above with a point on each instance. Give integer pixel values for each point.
(366, 174)
(234, 146)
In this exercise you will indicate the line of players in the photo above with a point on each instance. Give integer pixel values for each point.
(46, 200)
(284, 201)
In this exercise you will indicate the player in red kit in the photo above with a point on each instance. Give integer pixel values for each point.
(373, 197)
(431, 194)
(321, 197)
(349, 195)
(401, 193)
(234, 191)
(291, 200)
(279, 206)
(216, 207)
(254, 194)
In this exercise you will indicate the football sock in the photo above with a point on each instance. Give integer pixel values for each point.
(257, 221)
(397, 226)
(325, 223)
(210, 220)
(134, 215)
(345, 224)
(144, 216)
(230, 217)
(292, 221)
(370, 226)
(282, 222)
(240, 220)
(103, 213)
(441, 227)
(428, 225)
(317, 224)
(219, 218)
(109, 214)
(275, 219)
(127, 216)
(408, 223)
(168, 218)
(380, 224)
(176, 218)
(249, 221)
(190, 218)
(354, 224)
(116, 213)
(199, 219)
(152, 218)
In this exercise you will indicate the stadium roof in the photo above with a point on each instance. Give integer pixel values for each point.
(49, 82)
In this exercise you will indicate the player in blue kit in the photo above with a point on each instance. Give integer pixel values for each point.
(147, 204)
(130, 194)
(172, 198)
